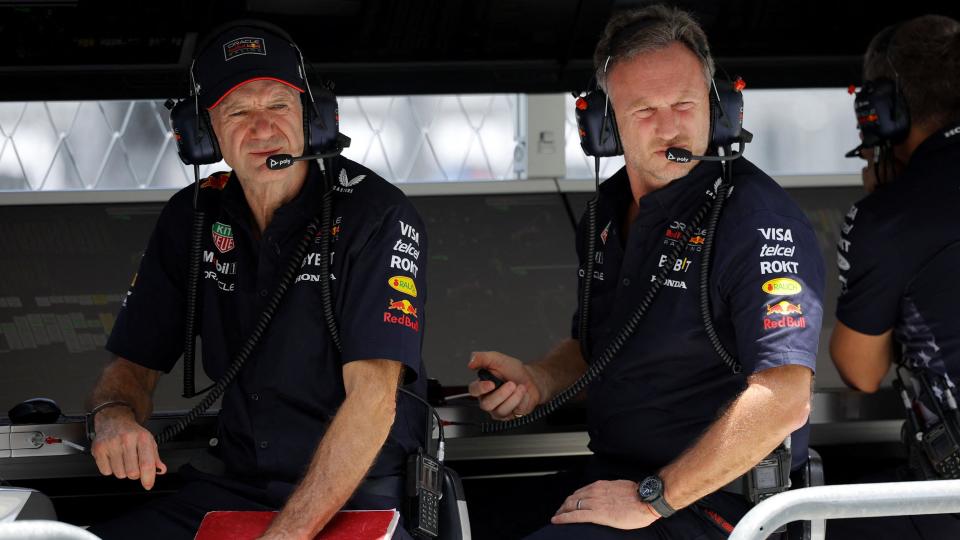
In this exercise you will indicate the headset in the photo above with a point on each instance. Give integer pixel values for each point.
(597, 126)
(882, 114)
(196, 142)
(883, 117)
(599, 136)
(197, 145)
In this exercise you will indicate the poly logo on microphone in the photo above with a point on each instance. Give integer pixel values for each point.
(677, 159)
(281, 163)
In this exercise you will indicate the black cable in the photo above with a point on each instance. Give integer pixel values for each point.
(326, 230)
(721, 193)
(262, 323)
(430, 409)
(715, 207)
(326, 295)
(584, 333)
(193, 284)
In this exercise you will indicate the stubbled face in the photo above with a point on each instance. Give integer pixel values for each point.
(660, 100)
(259, 119)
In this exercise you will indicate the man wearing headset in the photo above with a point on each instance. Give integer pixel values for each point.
(303, 428)
(899, 250)
(667, 416)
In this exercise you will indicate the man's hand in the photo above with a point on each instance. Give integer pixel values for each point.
(614, 504)
(125, 449)
(520, 392)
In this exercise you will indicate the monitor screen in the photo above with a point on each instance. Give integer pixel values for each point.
(501, 276)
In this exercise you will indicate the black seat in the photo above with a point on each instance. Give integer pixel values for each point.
(454, 520)
(810, 475)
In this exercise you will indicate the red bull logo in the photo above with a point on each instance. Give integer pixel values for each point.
(697, 240)
(784, 322)
(403, 320)
(784, 308)
(217, 181)
(784, 312)
(404, 306)
(334, 232)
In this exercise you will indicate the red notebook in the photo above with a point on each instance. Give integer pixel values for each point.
(346, 525)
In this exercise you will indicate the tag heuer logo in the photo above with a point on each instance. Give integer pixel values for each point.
(222, 237)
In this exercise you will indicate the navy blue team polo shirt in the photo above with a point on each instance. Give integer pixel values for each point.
(897, 267)
(668, 385)
(276, 411)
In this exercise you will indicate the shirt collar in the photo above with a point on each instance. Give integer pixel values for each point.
(671, 201)
(305, 205)
(942, 138)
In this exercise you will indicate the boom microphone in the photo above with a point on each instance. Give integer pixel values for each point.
(282, 161)
(681, 155)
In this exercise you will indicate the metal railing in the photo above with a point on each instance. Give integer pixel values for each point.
(849, 501)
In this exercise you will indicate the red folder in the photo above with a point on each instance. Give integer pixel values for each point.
(346, 525)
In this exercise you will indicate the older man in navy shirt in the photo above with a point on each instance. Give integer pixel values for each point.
(305, 428)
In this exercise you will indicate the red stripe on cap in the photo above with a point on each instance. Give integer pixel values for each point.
(238, 85)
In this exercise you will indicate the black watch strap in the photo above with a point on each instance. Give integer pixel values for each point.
(650, 490)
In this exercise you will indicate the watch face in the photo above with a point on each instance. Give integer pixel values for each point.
(650, 488)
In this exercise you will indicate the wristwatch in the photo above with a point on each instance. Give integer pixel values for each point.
(650, 491)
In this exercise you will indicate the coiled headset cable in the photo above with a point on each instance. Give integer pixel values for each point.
(713, 205)
(263, 322)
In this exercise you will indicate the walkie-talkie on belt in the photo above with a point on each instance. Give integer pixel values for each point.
(424, 475)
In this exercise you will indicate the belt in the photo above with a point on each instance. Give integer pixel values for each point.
(385, 486)
(738, 486)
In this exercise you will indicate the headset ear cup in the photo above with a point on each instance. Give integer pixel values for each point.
(215, 154)
(726, 115)
(308, 120)
(882, 113)
(321, 122)
(597, 125)
(196, 142)
(714, 113)
(901, 116)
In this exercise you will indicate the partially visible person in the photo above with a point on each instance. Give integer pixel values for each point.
(899, 253)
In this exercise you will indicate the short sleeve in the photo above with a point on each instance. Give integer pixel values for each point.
(382, 312)
(149, 329)
(870, 284)
(769, 273)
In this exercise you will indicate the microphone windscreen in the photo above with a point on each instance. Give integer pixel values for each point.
(679, 155)
(279, 161)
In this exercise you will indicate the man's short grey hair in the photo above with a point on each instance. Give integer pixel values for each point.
(646, 30)
(922, 56)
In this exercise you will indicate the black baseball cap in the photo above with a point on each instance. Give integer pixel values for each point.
(242, 54)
